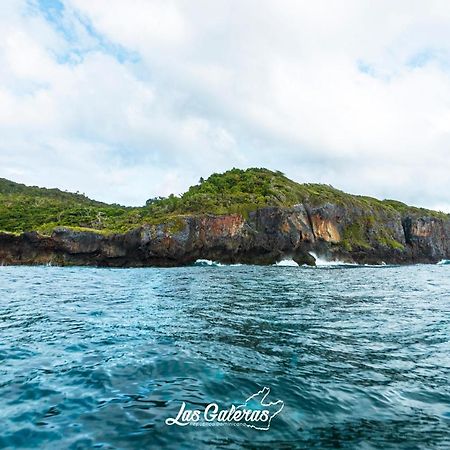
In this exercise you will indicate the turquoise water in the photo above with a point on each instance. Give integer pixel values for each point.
(100, 358)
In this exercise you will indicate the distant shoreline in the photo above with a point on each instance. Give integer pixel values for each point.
(252, 216)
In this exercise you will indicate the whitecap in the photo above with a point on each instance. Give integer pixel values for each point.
(321, 262)
(206, 262)
(286, 263)
(210, 263)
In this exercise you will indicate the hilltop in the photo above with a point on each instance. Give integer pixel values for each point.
(240, 216)
(30, 208)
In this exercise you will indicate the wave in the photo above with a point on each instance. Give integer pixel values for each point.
(209, 263)
(289, 262)
(321, 262)
(286, 263)
(444, 262)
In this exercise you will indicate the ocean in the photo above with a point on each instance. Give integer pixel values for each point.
(359, 357)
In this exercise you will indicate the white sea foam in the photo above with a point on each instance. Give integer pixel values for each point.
(321, 262)
(286, 263)
(208, 262)
(444, 262)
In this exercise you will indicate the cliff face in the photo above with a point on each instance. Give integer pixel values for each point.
(267, 235)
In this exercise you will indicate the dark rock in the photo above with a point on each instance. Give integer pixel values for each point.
(268, 235)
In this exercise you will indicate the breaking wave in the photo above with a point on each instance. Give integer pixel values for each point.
(286, 263)
(321, 262)
(444, 262)
(208, 262)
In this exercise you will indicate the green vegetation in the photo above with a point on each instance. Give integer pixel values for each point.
(355, 237)
(402, 208)
(24, 208)
(388, 242)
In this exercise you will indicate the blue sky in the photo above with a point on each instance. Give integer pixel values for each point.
(129, 100)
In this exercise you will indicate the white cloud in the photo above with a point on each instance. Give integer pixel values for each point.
(137, 24)
(127, 100)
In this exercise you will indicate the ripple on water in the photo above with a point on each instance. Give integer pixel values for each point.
(101, 357)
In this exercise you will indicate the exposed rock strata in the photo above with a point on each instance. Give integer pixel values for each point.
(266, 236)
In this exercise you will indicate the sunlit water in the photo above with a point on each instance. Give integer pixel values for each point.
(99, 358)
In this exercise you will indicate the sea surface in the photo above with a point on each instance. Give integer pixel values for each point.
(100, 358)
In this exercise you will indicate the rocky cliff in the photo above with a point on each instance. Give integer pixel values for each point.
(240, 216)
(265, 236)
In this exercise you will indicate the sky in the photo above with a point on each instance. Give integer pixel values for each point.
(127, 100)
